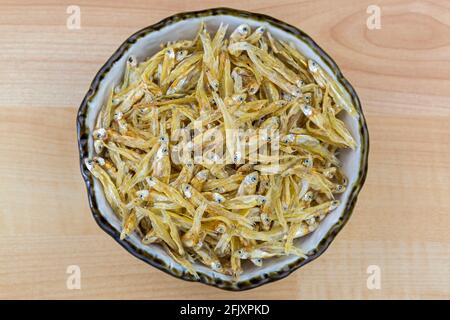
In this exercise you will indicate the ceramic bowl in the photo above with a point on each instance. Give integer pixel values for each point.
(145, 43)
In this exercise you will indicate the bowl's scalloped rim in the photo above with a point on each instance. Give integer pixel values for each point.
(204, 278)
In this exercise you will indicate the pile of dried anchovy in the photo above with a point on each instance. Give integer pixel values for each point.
(247, 206)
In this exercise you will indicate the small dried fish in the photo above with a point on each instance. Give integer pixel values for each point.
(223, 148)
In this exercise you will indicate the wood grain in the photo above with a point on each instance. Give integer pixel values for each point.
(401, 222)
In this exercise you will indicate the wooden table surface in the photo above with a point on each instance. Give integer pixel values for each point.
(401, 222)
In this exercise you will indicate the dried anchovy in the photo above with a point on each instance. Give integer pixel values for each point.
(207, 211)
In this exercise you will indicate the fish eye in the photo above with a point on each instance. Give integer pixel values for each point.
(131, 59)
(216, 265)
(313, 66)
(151, 181)
(142, 194)
(98, 146)
(181, 55)
(308, 196)
(100, 161)
(100, 133)
(289, 138)
(307, 110)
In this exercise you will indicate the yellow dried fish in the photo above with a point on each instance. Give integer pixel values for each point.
(245, 202)
(223, 148)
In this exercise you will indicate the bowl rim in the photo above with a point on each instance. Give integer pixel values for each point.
(260, 279)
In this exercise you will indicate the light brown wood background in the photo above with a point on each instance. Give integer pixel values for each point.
(401, 222)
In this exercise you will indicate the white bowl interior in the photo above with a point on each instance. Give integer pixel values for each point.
(187, 29)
